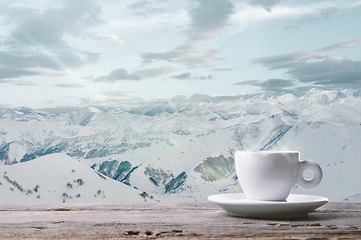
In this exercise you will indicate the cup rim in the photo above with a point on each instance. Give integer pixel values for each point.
(268, 151)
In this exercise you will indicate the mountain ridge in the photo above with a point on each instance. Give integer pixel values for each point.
(57, 178)
(168, 140)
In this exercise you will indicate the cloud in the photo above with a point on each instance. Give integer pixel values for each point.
(295, 59)
(331, 72)
(50, 101)
(45, 72)
(113, 38)
(181, 53)
(253, 12)
(155, 72)
(183, 76)
(139, 5)
(90, 77)
(118, 74)
(185, 54)
(209, 18)
(209, 77)
(274, 84)
(247, 82)
(341, 45)
(22, 60)
(22, 83)
(19, 82)
(289, 60)
(188, 76)
(33, 28)
(69, 85)
(36, 37)
(266, 4)
(223, 69)
(317, 68)
(137, 75)
(9, 72)
(322, 14)
(145, 8)
(14, 64)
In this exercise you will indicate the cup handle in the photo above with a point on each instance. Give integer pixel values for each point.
(317, 172)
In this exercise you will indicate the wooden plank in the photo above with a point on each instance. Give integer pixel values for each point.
(169, 220)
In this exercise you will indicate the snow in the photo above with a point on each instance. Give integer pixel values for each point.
(172, 138)
(58, 178)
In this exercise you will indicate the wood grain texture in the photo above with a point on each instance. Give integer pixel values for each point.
(198, 220)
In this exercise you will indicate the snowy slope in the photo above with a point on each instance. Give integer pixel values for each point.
(59, 178)
(183, 149)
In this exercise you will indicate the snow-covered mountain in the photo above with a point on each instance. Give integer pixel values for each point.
(57, 178)
(183, 149)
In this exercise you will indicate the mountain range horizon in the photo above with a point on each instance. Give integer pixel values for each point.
(183, 149)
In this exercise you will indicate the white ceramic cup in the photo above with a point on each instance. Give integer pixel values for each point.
(271, 175)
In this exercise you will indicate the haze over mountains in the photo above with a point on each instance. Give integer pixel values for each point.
(178, 150)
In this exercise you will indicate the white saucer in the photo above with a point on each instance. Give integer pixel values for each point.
(294, 206)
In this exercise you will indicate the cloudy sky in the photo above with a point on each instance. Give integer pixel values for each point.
(77, 53)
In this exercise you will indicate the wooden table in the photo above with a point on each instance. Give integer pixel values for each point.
(169, 220)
